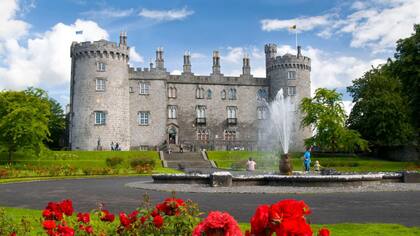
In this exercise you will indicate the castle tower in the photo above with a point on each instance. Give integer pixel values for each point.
(292, 74)
(216, 63)
(99, 95)
(159, 59)
(246, 67)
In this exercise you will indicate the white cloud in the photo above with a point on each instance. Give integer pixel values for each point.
(44, 61)
(196, 55)
(234, 55)
(135, 57)
(109, 13)
(10, 27)
(302, 23)
(166, 15)
(176, 72)
(348, 105)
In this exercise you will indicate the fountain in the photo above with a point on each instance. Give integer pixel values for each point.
(281, 117)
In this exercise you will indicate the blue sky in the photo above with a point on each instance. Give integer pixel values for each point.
(343, 38)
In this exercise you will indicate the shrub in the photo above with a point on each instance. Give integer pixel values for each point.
(134, 163)
(113, 161)
(4, 173)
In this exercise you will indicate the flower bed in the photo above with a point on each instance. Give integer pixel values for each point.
(174, 216)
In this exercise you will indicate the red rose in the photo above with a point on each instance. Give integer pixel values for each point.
(154, 213)
(55, 209)
(13, 234)
(260, 221)
(64, 230)
(143, 219)
(83, 217)
(67, 207)
(170, 206)
(324, 232)
(106, 216)
(124, 220)
(89, 229)
(133, 216)
(218, 223)
(48, 224)
(47, 214)
(158, 221)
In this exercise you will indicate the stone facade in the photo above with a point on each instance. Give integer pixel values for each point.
(144, 108)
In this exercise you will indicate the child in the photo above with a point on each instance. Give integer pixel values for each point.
(317, 166)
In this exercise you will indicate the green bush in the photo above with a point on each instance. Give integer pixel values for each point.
(113, 161)
(134, 163)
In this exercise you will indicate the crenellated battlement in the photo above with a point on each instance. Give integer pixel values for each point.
(288, 61)
(101, 49)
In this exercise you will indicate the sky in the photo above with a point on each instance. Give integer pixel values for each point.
(344, 39)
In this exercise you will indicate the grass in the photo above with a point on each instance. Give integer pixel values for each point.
(269, 162)
(34, 217)
(75, 163)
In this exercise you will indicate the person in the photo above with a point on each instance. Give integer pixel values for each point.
(250, 165)
(181, 148)
(117, 147)
(112, 146)
(317, 166)
(307, 159)
(169, 152)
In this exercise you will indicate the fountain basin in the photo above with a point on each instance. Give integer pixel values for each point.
(283, 180)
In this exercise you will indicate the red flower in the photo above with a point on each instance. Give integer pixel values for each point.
(83, 217)
(89, 229)
(154, 213)
(106, 216)
(124, 220)
(13, 234)
(67, 207)
(170, 206)
(55, 210)
(324, 232)
(133, 216)
(158, 221)
(143, 219)
(64, 230)
(218, 223)
(260, 221)
(48, 214)
(48, 224)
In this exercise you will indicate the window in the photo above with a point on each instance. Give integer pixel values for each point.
(144, 117)
(262, 94)
(100, 84)
(201, 111)
(291, 75)
(144, 88)
(202, 134)
(100, 118)
(229, 135)
(262, 113)
(100, 66)
(199, 93)
(172, 112)
(232, 94)
(223, 94)
(231, 112)
(209, 94)
(172, 92)
(291, 90)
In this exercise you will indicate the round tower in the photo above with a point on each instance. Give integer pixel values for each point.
(99, 95)
(292, 73)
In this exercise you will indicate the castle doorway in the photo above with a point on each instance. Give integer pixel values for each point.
(172, 135)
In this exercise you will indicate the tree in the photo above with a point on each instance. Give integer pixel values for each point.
(326, 114)
(406, 68)
(380, 112)
(23, 121)
(57, 120)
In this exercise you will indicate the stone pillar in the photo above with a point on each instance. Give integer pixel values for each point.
(246, 68)
(187, 62)
(221, 179)
(216, 63)
(159, 59)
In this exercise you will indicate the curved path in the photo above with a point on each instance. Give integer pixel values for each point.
(364, 207)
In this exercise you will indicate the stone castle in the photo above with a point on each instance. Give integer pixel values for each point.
(147, 108)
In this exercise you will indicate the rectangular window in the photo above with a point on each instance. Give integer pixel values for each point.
(100, 84)
(100, 118)
(172, 112)
(291, 75)
(101, 66)
(231, 112)
(144, 88)
(144, 117)
(291, 90)
(201, 112)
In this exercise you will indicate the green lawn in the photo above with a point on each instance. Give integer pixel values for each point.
(75, 163)
(34, 218)
(269, 162)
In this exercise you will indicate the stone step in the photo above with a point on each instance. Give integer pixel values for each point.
(189, 164)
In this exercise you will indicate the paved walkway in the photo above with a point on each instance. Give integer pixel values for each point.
(363, 207)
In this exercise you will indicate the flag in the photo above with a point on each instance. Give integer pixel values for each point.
(79, 32)
(293, 27)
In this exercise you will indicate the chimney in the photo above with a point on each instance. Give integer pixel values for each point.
(159, 59)
(246, 68)
(187, 62)
(123, 39)
(216, 62)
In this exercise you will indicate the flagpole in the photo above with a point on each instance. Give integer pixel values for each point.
(296, 38)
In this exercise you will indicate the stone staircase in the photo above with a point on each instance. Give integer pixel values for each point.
(188, 162)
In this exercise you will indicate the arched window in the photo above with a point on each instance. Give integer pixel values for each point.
(197, 93)
(172, 112)
(209, 94)
(201, 93)
(223, 94)
(262, 94)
